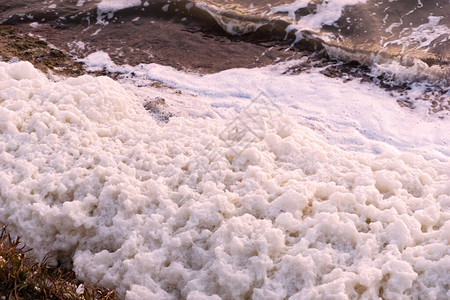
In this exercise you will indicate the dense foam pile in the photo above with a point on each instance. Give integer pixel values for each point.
(260, 209)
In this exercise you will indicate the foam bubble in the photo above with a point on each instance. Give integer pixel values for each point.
(189, 209)
(352, 115)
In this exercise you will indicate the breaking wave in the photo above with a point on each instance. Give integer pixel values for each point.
(403, 32)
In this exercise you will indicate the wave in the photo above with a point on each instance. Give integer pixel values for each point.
(374, 33)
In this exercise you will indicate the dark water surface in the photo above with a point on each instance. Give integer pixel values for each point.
(412, 28)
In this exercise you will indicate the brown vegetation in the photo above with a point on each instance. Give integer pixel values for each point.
(22, 278)
(14, 45)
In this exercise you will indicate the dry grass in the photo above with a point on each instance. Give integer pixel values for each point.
(22, 278)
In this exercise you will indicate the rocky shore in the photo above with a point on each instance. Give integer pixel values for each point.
(17, 46)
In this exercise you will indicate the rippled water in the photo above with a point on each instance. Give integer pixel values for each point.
(389, 28)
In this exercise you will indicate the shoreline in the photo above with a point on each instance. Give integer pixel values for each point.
(14, 44)
(330, 69)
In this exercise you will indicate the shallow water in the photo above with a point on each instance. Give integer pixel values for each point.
(393, 28)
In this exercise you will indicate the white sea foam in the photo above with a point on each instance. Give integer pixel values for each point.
(327, 13)
(261, 208)
(106, 8)
(416, 71)
(352, 115)
(423, 36)
(400, 70)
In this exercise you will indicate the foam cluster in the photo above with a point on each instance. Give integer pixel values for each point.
(202, 209)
